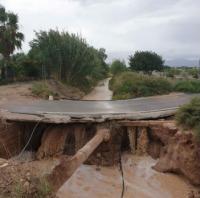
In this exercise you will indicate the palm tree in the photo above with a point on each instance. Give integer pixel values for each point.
(10, 37)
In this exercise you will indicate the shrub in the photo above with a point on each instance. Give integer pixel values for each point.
(188, 116)
(129, 85)
(172, 72)
(194, 72)
(41, 89)
(187, 86)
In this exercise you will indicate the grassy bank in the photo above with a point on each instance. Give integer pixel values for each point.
(57, 89)
(131, 85)
(188, 117)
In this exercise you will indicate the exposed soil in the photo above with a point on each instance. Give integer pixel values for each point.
(24, 179)
(16, 93)
(182, 156)
(21, 92)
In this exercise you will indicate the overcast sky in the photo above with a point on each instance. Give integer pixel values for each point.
(168, 27)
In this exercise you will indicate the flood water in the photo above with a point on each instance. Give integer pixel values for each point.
(141, 181)
(100, 92)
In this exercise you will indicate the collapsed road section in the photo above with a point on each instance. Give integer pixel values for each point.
(74, 132)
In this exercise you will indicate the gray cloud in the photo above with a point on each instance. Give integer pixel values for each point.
(170, 27)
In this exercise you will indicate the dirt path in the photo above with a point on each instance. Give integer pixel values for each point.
(141, 181)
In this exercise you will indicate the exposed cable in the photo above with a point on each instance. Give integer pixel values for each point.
(122, 174)
(33, 131)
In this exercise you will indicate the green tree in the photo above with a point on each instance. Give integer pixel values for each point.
(22, 67)
(10, 37)
(69, 58)
(117, 67)
(146, 61)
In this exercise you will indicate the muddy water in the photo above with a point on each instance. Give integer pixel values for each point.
(141, 181)
(100, 92)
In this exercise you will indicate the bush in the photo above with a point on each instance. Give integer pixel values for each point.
(188, 116)
(187, 86)
(41, 89)
(194, 72)
(172, 72)
(129, 85)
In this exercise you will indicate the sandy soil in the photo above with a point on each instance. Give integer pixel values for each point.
(21, 92)
(16, 93)
(141, 181)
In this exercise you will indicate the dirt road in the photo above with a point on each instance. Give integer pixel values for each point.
(141, 181)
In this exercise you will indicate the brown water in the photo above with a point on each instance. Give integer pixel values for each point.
(100, 92)
(141, 181)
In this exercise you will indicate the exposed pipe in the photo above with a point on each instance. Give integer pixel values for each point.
(65, 169)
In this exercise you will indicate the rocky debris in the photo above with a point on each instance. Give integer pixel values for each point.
(181, 155)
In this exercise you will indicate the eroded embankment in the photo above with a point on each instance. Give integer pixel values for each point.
(174, 152)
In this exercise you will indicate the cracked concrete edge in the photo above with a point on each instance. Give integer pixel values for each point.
(86, 118)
